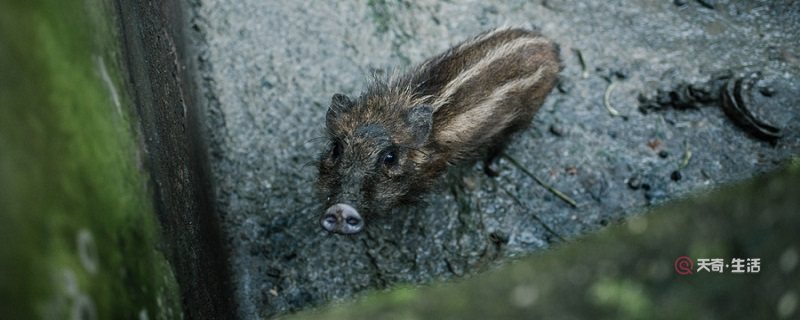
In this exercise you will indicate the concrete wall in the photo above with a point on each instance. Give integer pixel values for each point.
(269, 68)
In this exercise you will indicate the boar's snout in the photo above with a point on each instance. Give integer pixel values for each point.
(343, 219)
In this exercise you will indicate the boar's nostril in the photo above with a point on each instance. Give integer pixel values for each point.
(342, 218)
(329, 222)
(353, 223)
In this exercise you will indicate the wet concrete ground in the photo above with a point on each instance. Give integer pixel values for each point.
(268, 70)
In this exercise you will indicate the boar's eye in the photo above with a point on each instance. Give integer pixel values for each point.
(336, 150)
(389, 157)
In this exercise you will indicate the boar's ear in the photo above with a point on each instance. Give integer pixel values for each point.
(339, 103)
(420, 121)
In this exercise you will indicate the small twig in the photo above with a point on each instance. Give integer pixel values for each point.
(535, 217)
(687, 155)
(559, 194)
(607, 100)
(584, 71)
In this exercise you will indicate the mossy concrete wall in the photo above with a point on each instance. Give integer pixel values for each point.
(102, 211)
(78, 228)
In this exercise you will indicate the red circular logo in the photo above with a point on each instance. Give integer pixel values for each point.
(684, 265)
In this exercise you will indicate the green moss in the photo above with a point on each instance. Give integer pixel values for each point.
(625, 295)
(76, 220)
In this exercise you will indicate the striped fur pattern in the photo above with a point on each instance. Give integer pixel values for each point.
(456, 107)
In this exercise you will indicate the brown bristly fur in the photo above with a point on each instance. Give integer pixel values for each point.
(475, 95)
